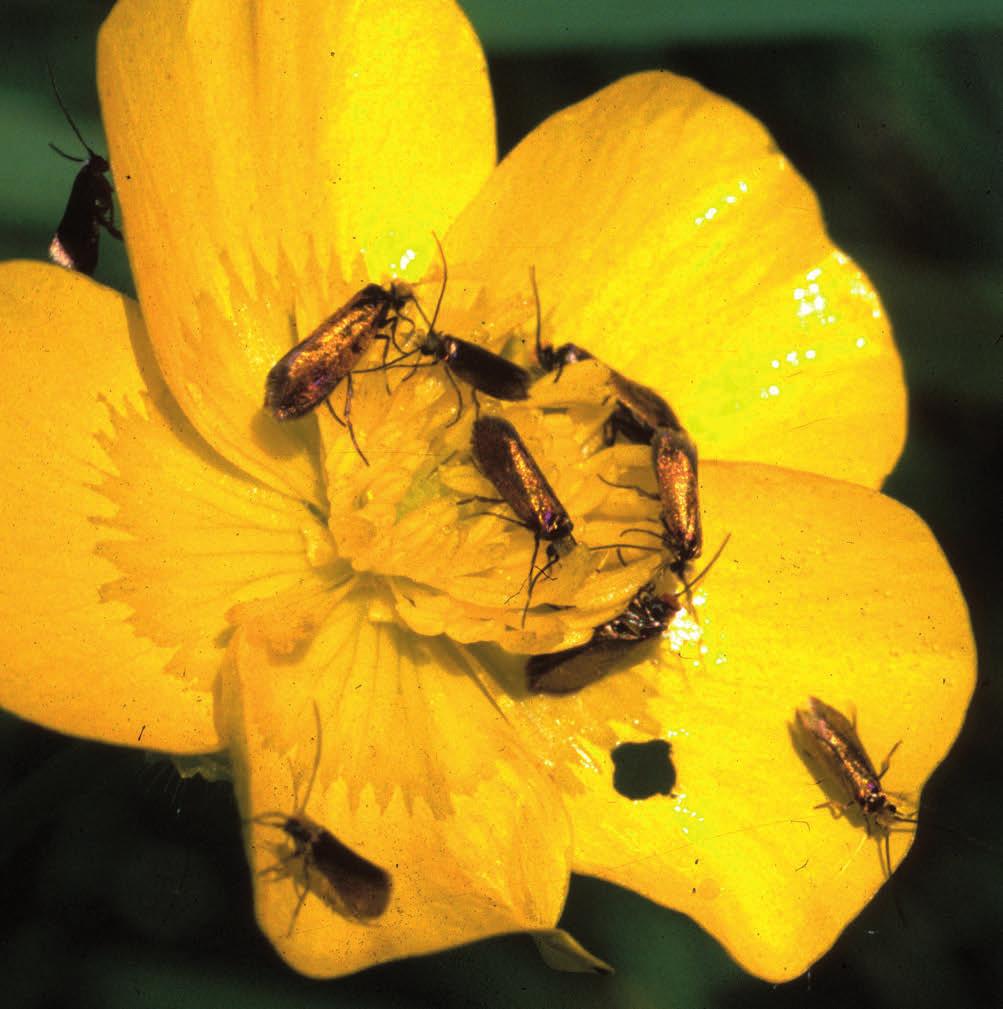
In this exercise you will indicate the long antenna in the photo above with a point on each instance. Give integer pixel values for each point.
(688, 586)
(69, 118)
(536, 298)
(63, 154)
(626, 546)
(442, 289)
(316, 762)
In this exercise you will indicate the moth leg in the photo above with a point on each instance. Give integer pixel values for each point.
(459, 398)
(300, 900)
(838, 809)
(629, 486)
(886, 763)
(348, 420)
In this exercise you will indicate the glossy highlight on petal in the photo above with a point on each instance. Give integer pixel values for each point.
(740, 844)
(434, 640)
(721, 289)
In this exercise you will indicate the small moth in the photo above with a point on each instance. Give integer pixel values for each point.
(674, 460)
(639, 412)
(349, 884)
(674, 457)
(506, 462)
(482, 369)
(833, 739)
(306, 375)
(89, 208)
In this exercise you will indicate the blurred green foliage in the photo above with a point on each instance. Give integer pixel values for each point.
(126, 887)
(519, 26)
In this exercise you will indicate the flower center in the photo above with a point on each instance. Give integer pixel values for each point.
(455, 555)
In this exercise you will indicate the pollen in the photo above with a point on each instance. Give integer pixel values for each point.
(423, 515)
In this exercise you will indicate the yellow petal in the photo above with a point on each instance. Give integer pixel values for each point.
(192, 538)
(125, 537)
(674, 241)
(71, 661)
(824, 589)
(418, 773)
(269, 158)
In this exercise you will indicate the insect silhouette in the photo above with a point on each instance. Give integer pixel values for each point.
(349, 884)
(305, 376)
(89, 208)
(549, 357)
(503, 458)
(833, 739)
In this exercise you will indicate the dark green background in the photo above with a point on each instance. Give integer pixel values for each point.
(122, 886)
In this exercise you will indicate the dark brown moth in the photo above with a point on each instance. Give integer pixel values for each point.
(305, 376)
(89, 208)
(481, 369)
(833, 739)
(503, 458)
(319, 863)
(646, 617)
(638, 414)
(549, 357)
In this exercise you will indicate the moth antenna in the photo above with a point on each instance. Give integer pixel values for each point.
(442, 289)
(66, 112)
(63, 154)
(886, 763)
(908, 819)
(688, 586)
(627, 486)
(853, 855)
(316, 761)
(536, 298)
(421, 312)
(394, 364)
(627, 546)
(300, 900)
(643, 532)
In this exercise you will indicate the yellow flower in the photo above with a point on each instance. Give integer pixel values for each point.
(182, 569)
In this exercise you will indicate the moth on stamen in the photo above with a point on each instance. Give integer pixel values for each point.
(639, 412)
(481, 369)
(505, 461)
(674, 457)
(674, 460)
(305, 376)
(646, 617)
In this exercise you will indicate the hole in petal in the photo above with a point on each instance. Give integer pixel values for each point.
(641, 770)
